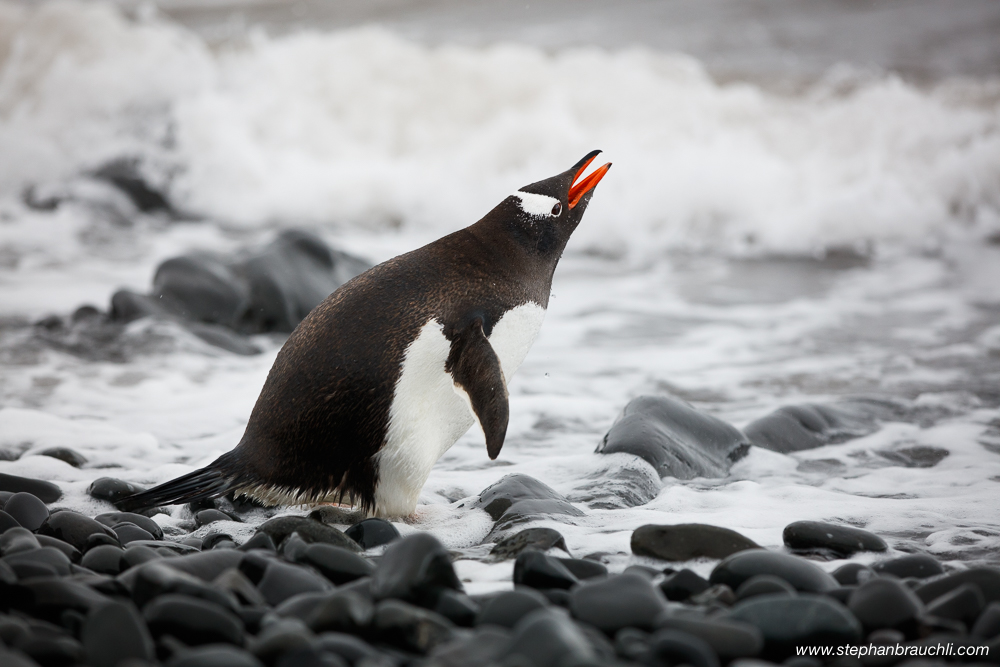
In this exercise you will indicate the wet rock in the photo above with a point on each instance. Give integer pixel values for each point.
(676, 647)
(115, 632)
(65, 454)
(714, 596)
(283, 580)
(918, 456)
(16, 540)
(67, 549)
(673, 437)
(516, 498)
(584, 569)
(74, 528)
(803, 620)
(547, 637)
(214, 656)
(50, 648)
(622, 482)
(127, 174)
(409, 627)
(47, 492)
(7, 522)
(681, 585)
(104, 559)
(688, 541)
(959, 604)
(414, 568)
(53, 558)
(795, 428)
(843, 540)
(800, 573)
(763, 584)
(260, 541)
(331, 515)
(483, 647)
(626, 600)
(100, 539)
(157, 578)
(112, 519)
(309, 530)
(29, 569)
(192, 620)
(851, 574)
(884, 602)
(537, 570)
(308, 656)
(509, 607)
(919, 566)
(202, 288)
(129, 532)
(278, 638)
(987, 626)
(457, 607)
(350, 648)
(372, 533)
(217, 541)
(338, 565)
(113, 490)
(205, 517)
(28, 510)
(342, 611)
(728, 639)
(136, 555)
(539, 539)
(987, 579)
(206, 565)
(49, 599)
(238, 584)
(7, 576)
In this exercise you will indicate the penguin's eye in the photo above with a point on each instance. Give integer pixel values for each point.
(557, 209)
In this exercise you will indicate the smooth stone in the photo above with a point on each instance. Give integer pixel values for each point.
(409, 627)
(800, 573)
(112, 519)
(74, 528)
(852, 574)
(844, 540)
(884, 602)
(331, 515)
(351, 648)
(7, 575)
(18, 539)
(129, 532)
(310, 530)
(499, 499)
(457, 607)
(483, 647)
(115, 632)
(236, 582)
(676, 439)
(278, 638)
(795, 428)
(987, 626)
(538, 570)
(100, 539)
(919, 566)
(918, 456)
(677, 647)
(192, 620)
(260, 541)
(308, 656)
(343, 611)
(806, 619)
(206, 565)
(714, 596)
(49, 556)
(126, 175)
(547, 637)
(154, 579)
(138, 554)
(623, 481)
(964, 604)
(687, 541)
(49, 599)
(539, 539)
(584, 569)
(622, 601)
(372, 533)
(728, 639)
(200, 287)
(104, 559)
(283, 580)
(27, 509)
(69, 550)
(7, 522)
(763, 584)
(682, 584)
(205, 517)
(47, 492)
(176, 548)
(338, 565)
(51, 648)
(64, 454)
(302, 606)
(217, 541)
(509, 607)
(414, 568)
(112, 489)
(213, 656)
(986, 578)
(29, 569)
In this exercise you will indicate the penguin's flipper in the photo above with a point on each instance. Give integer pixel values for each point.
(475, 368)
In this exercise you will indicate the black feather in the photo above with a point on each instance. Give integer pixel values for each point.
(211, 481)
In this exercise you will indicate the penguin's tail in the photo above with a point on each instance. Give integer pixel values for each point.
(211, 481)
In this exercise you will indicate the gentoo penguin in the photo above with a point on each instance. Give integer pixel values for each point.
(382, 378)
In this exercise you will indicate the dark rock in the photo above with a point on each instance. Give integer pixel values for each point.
(104, 559)
(457, 607)
(676, 647)
(341, 612)
(802, 574)
(763, 584)
(112, 490)
(884, 602)
(509, 607)
(74, 528)
(65, 455)
(986, 578)
(338, 565)
(714, 596)
(112, 519)
(547, 637)
(192, 620)
(236, 582)
(483, 647)
(50, 648)
(622, 482)
(350, 648)
(7, 522)
(27, 509)
(292, 547)
(17, 539)
(138, 554)
(309, 530)
(217, 541)
(959, 604)
(844, 540)
(260, 541)
(919, 566)
(115, 632)
(673, 437)
(44, 556)
(48, 599)
(202, 288)
(205, 517)
(414, 568)
(728, 639)
(129, 532)
(918, 456)
(154, 579)
(539, 539)
(584, 569)
(557, 596)
(68, 549)
(851, 574)
(681, 585)
(283, 580)
(279, 638)
(803, 620)
(15, 659)
(126, 175)
(623, 601)
(47, 492)
(372, 533)
(409, 627)
(308, 656)
(206, 565)
(213, 656)
(31, 569)
(687, 541)
(331, 515)
(537, 570)
(987, 626)
(255, 563)
(302, 606)
(795, 428)
(100, 539)
(515, 497)
(174, 548)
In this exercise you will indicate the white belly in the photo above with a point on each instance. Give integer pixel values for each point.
(428, 415)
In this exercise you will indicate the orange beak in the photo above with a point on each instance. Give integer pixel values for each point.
(581, 188)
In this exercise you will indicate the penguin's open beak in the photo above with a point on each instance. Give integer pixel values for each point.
(582, 187)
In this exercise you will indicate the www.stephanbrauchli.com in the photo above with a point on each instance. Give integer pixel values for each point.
(862, 650)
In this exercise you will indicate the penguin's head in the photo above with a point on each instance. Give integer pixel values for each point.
(542, 215)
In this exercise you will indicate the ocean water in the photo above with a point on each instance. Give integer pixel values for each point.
(751, 248)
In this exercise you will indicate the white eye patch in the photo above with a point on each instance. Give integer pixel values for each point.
(533, 204)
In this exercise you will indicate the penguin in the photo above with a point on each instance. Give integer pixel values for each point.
(391, 369)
